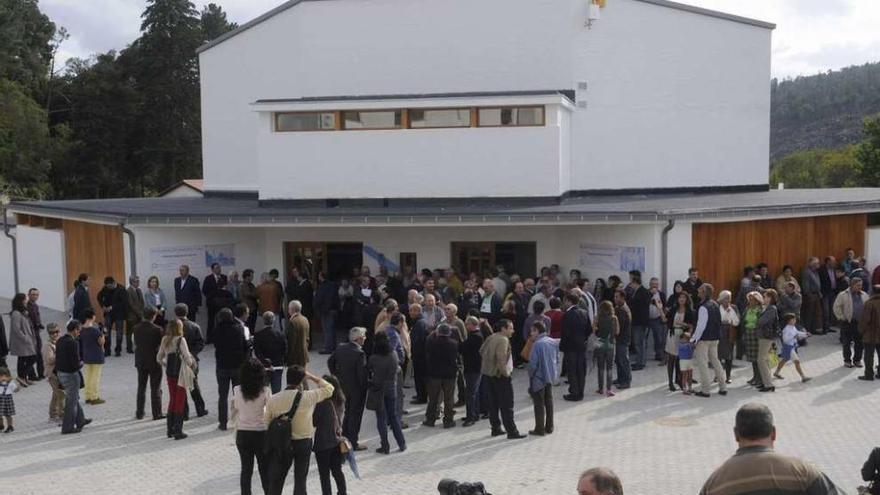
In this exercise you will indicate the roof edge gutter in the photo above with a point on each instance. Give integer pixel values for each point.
(664, 250)
(132, 251)
(14, 249)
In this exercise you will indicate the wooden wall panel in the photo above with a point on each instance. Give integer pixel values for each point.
(94, 249)
(721, 250)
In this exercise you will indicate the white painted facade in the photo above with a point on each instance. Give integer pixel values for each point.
(7, 279)
(41, 264)
(673, 99)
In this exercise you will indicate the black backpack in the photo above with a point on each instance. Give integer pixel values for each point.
(278, 433)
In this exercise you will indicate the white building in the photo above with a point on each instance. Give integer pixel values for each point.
(437, 133)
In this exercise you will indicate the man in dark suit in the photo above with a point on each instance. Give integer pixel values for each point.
(210, 285)
(81, 300)
(148, 338)
(349, 364)
(575, 329)
(187, 291)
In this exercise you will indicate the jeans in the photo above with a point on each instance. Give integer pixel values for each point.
(155, 377)
(658, 332)
(851, 340)
(501, 401)
(621, 358)
(542, 401)
(92, 374)
(472, 380)
(388, 415)
(441, 388)
(298, 454)
(604, 364)
(706, 353)
(250, 445)
(640, 334)
(225, 377)
(330, 462)
(576, 368)
(73, 413)
(328, 326)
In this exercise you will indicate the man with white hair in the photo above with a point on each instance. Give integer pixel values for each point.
(297, 332)
(348, 363)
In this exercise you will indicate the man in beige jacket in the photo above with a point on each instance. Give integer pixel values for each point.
(497, 366)
(848, 306)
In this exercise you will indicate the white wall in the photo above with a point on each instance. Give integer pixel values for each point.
(182, 191)
(680, 245)
(675, 98)
(872, 247)
(41, 264)
(7, 279)
(466, 162)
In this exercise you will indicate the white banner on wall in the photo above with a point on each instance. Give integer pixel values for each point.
(165, 261)
(610, 258)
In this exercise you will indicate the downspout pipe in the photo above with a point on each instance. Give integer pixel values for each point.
(664, 250)
(14, 250)
(132, 252)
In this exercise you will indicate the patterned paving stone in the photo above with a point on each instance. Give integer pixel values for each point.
(659, 442)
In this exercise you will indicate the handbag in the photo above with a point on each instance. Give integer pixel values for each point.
(344, 444)
(375, 398)
(279, 430)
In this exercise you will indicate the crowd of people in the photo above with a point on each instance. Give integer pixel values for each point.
(459, 337)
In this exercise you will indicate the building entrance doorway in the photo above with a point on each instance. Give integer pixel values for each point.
(337, 259)
(482, 257)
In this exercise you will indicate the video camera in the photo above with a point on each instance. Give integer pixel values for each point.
(452, 487)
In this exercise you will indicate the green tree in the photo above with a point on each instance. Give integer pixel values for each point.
(25, 146)
(25, 51)
(214, 22)
(165, 72)
(868, 154)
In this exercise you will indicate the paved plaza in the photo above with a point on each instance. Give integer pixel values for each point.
(657, 441)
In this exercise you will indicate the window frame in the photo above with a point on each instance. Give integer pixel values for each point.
(542, 123)
(404, 117)
(335, 114)
(428, 109)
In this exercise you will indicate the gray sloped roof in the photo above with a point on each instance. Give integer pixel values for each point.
(661, 3)
(600, 208)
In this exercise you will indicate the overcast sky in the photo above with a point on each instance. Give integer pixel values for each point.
(811, 35)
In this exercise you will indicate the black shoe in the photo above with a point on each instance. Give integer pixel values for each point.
(468, 423)
(722, 392)
(623, 387)
(548, 431)
(460, 403)
(75, 430)
(180, 436)
(498, 433)
(858, 364)
(867, 378)
(637, 367)
(429, 424)
(484, 416)
(701, 394)
(383, 450)
(536, 433)
(9, 429)
(221, 427)
(672, 388)
(129, 351)
(140, 416)
(203, 413)
(157, 418)
(515, 436)
(573, 398)
(86, 422)
(418, 402)
(448, 424)
(767, 389)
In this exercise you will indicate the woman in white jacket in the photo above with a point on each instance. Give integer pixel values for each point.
(175, 357)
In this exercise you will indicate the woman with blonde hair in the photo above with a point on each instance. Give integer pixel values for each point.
(768, 333)
(175, 357)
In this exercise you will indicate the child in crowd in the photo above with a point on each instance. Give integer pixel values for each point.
(790, 337)
(7, 406)
(686, 362)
